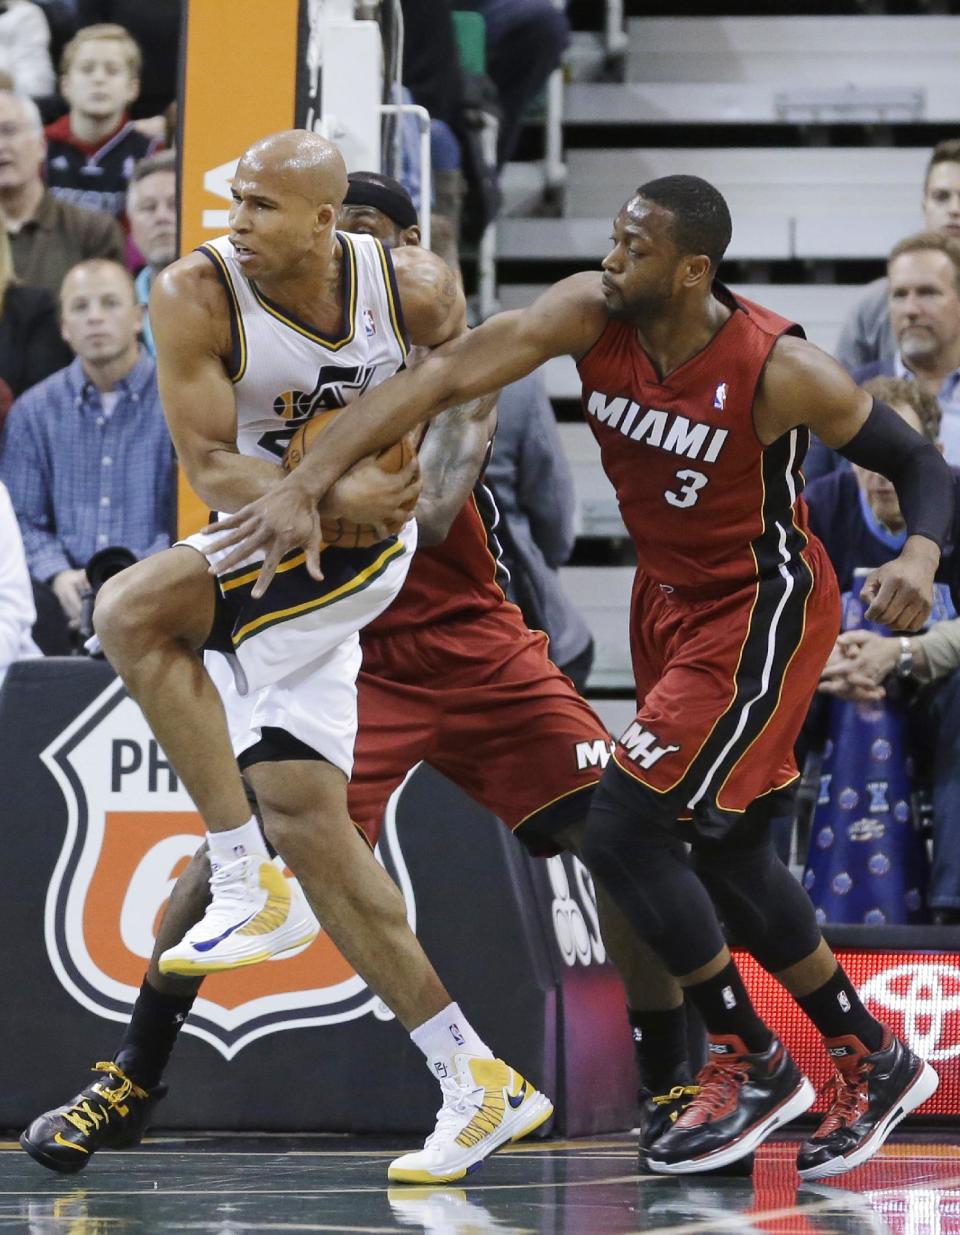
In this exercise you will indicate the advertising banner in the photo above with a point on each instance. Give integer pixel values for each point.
(239, 76)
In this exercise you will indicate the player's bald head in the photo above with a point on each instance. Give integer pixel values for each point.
(301, 162)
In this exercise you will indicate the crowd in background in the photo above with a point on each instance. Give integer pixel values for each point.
(88, 200)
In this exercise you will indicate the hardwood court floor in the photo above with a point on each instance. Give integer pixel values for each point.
(228, 1185)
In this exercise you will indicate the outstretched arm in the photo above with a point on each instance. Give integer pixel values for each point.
(567, 319)
(564, 320)
(802, 385)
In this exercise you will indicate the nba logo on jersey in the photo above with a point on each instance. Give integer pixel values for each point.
(720, 397)
(369, 325)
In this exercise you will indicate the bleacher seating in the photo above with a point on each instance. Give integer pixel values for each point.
(783, 52)
(786, 203)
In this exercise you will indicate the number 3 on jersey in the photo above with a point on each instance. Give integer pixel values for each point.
(691, 483)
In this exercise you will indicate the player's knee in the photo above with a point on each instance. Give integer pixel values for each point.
(632, 860)
(604, 842)
(761, 902)
(126, 610)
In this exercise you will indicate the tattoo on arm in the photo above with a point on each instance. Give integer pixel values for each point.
(452, 457)
(449, 291)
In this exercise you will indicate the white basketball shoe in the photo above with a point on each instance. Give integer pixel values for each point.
(485, 1104)
(255, 913)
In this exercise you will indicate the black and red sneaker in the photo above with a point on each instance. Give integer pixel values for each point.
(111, 1113)
(659, 1112)
(743, 1098)
(868, 1096)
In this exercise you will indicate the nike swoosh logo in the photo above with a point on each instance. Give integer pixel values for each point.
(212, 943)
(516, 1099)
(60, 1139)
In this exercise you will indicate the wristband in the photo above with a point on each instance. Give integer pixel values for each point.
(905, 659)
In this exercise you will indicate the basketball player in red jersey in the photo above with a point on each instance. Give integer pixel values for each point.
(701, 404)
(451, 675)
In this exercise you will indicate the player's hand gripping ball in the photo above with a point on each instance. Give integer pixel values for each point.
(343, 533)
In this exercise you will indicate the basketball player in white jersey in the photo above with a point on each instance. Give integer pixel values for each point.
(253, 333)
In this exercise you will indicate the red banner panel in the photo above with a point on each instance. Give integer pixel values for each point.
(916, 993)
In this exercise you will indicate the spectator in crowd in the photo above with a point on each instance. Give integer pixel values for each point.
(152, 212)
(867, 335)
(464, 173)
(31, 346)
(17, 613)
(526, 40)
(86, 454)
(91, 150)
(154, 25)
(923, 288)
(25, 47)
(47, 236)
(924, 296)
(533, 486)
(856, 514)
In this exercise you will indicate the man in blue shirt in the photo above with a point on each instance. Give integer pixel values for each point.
(86, 454)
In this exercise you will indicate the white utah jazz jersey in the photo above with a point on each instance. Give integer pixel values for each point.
(284, 370)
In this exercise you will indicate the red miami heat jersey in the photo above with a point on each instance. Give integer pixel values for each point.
(459, 577)
(706, 504)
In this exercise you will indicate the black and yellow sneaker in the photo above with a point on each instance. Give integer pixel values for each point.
(111, 1113)
(659, 1112)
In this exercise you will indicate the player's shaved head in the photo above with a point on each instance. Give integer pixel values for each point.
(302, 162)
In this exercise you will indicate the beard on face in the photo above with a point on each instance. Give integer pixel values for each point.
(644, 307)
(918, 344)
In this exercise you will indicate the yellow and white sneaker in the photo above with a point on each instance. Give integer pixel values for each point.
(255, 913)
(485, 1104)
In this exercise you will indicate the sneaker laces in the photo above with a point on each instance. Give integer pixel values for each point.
(843, 1094)
(677, 1093)
(82, 1115)
(719, 1077)
(457, 1105)
(229, 894)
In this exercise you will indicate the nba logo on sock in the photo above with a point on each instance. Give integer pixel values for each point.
(844, 1001)
(457, 1035)
(130, 829)
(729, 999)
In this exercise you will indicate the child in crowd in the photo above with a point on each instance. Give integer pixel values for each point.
(91, 150)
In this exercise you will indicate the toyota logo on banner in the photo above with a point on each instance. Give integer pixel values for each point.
(925, 997)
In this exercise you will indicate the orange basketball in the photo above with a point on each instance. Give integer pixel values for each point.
(342, 533)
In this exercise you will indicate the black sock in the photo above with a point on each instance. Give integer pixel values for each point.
(836, 1010)
(660, 1043)
(149, 1038)
(725, 1006)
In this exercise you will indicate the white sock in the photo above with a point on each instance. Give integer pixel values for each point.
(224, 847)
(447, 1034)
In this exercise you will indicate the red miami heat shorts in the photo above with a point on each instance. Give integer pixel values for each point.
(724, 685)
(479, 700)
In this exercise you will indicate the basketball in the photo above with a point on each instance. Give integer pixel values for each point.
(342, 533)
